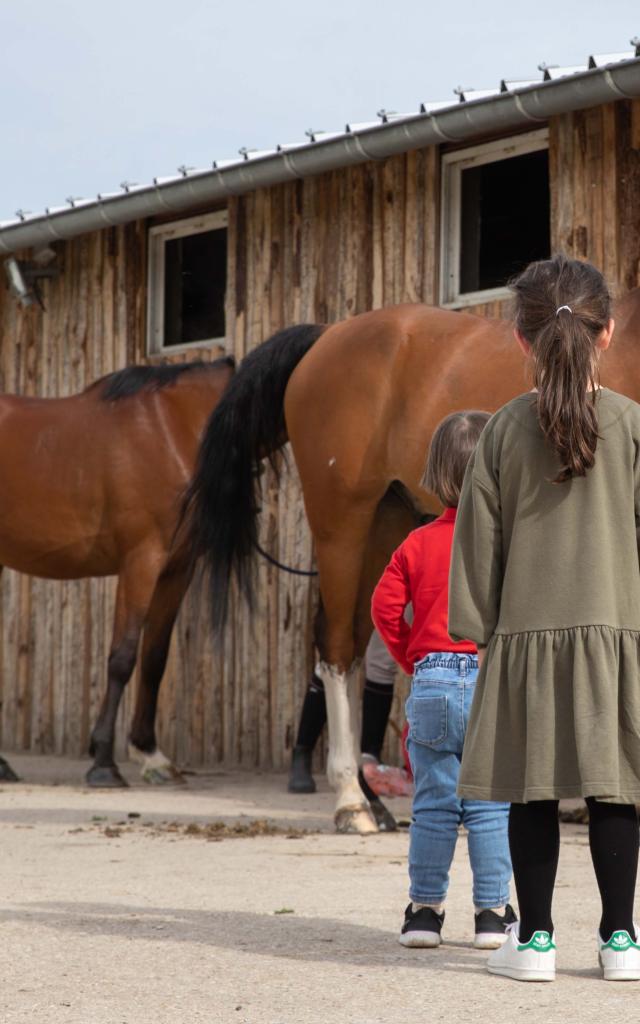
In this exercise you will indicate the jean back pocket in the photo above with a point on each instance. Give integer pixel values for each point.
(428, 720)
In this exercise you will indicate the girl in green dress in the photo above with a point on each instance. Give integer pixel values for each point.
(545, 575)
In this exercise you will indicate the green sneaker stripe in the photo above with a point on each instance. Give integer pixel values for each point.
(540, 942)
(620, 942)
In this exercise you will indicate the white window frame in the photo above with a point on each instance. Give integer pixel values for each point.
(453, 164)
(158, 237)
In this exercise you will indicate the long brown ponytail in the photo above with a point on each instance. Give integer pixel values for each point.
(562, 306)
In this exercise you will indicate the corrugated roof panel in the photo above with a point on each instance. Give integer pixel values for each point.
(600, 60)
(323, 136)
(469, 95)
(361, 126)
(506, 85)
(553, 73)
(256, 154)
(190, 172)
(230, 162)
(431, 106)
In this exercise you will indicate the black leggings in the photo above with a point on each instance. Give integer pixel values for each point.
(534, 839)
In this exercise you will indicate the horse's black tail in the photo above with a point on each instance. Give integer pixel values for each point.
(247, 425)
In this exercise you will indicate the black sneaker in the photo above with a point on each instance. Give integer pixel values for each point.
(421, 928)
(491, 928)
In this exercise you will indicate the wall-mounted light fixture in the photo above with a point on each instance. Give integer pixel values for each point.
(23, 276)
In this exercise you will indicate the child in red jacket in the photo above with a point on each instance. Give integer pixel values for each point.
(444, 675)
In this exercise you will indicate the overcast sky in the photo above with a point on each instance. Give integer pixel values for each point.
(96, 92)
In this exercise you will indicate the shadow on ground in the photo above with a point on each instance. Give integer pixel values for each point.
(273, 935)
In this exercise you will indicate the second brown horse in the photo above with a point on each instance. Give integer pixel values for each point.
(92, 486)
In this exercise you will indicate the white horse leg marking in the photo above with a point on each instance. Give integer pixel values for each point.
(340, 690)
(155, 768)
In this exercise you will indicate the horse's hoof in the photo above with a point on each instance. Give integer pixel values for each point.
(163, 775)
(7, 773)
(105, 776)
(355, 820)
(155, 767)
(384, 818)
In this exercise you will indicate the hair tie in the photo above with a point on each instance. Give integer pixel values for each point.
(563, 307)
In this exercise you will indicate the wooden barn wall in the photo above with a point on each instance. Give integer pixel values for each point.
(317, 250)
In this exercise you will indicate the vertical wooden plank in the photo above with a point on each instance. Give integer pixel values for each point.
(593, 184)
(628, 181)
(608, 185)
(561, 159)
(430, 178)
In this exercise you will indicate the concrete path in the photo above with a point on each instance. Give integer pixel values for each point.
(128, 907)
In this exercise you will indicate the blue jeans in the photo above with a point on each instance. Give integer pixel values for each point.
(437, 713)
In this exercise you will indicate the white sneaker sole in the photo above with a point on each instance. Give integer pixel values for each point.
(519, 974)
(420, 940)
(489, 940)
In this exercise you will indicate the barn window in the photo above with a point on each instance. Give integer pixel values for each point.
(495, 216)
(187, 282)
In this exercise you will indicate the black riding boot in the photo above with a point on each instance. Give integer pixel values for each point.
(377, 699)
(312, 721)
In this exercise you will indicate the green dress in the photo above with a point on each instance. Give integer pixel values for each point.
(547, 576)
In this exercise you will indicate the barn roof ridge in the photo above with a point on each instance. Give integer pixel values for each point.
(603, 78)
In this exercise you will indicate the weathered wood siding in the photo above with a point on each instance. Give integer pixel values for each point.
(318, 250)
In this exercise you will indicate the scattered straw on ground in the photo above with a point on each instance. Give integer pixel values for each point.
(212, 831)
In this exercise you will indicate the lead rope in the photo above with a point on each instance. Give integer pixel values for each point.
(279, 565)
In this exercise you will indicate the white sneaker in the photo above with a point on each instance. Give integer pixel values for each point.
(620, 956)
(534, 960)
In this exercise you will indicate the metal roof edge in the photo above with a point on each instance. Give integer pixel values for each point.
(458, 122)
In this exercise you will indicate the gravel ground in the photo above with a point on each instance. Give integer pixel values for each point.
(139, 907)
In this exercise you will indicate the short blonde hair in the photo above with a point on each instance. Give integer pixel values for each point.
(452, 444)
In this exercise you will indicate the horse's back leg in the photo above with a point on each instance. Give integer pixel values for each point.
(170, 589)
(135, 587)
(340, 547)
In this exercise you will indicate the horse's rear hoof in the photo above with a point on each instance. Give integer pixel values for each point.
(7, 773)
(355, 820)
(155, 767)
(163, 775)
(105, 776)
(384, 818)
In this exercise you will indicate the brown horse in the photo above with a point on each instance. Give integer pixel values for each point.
(92, 486)
(359, 401)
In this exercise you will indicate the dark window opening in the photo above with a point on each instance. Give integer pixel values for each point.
(195, 279)
(505, 219)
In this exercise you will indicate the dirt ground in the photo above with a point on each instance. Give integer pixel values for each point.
(138, 907)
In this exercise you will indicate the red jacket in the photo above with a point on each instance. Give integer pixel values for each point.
(418, 572)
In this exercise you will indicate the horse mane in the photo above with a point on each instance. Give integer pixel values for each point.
(134, 379)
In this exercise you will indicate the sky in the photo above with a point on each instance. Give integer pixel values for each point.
(95, 93)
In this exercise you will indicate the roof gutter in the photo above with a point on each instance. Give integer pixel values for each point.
(461, 121)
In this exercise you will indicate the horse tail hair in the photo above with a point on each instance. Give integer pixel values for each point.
(221, 505)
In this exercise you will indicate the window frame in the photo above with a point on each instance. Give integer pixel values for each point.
(158, 237)
(452, 166)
